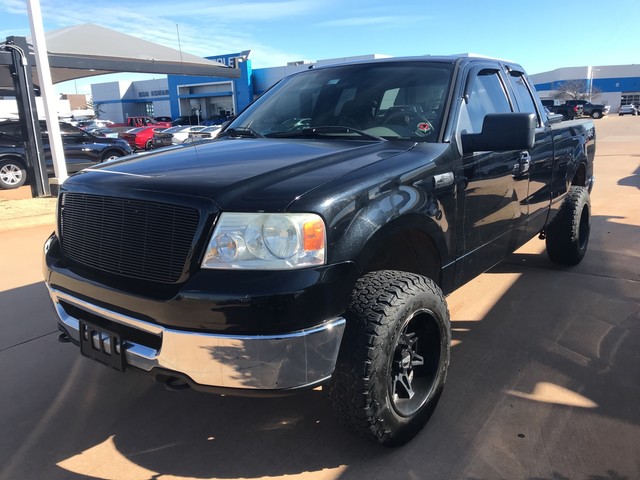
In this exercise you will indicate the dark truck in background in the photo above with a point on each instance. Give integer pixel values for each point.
(568, 112)
(589, 109)
(314, 242)
(572, 109)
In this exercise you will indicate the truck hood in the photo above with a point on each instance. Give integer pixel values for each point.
(238, 174)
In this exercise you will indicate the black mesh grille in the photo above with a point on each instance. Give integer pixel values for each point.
(135, 238)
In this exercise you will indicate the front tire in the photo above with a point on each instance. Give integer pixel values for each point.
(567, 236)
(12, 174)
(596, 114)
(394, 357)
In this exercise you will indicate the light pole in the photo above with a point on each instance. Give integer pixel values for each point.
(590, 71)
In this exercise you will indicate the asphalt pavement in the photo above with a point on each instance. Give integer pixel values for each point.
(544, 381)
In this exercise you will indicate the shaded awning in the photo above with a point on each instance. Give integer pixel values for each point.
(88, 50)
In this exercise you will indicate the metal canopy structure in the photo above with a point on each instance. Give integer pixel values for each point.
(88, 50)
(79, 52)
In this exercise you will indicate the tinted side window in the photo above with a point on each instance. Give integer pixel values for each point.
(523, 95)
(12, 129)
(487, 96)
(67, 130)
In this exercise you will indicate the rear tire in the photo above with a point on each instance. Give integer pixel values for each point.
(12, 174)
(567, 236)
(394, 357)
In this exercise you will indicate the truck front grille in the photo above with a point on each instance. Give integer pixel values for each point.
(134, 238)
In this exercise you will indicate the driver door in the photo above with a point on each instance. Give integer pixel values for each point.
(494, 200)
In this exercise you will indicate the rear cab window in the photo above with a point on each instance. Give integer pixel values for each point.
(523, 96)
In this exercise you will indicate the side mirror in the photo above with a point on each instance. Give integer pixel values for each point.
(554, 118)
(502, 132)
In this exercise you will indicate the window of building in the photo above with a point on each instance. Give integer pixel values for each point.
(629, 98)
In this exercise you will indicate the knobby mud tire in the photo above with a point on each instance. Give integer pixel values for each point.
(397, 342)
(567, 237)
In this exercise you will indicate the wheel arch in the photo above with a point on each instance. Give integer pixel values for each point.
(580, 176)
(15, 158)
(411, 243)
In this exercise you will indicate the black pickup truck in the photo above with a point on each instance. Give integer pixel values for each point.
(315, 241)
(568, 112)
(589, 109)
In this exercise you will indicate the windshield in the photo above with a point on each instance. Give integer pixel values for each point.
(390, 100)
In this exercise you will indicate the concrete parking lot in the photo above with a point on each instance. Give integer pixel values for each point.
(544, 382)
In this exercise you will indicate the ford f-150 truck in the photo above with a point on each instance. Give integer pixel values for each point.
(315, 241)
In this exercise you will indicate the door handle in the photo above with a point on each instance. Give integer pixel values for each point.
(521, 168)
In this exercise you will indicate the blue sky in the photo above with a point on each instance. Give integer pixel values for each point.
(540, 35)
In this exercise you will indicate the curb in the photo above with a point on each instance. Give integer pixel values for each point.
(27, 222)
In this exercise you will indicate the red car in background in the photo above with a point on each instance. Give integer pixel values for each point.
(141, 138)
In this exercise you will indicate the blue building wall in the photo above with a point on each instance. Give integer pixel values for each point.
(602, 84)
(243, 86)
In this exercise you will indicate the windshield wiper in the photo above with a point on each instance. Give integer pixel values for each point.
(244, 132)
(321, 131)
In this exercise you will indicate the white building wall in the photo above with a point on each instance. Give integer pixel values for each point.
(110, 90)
(608, 98)
(103, 96)
(161, 108)
(110, 111)
(118, 100)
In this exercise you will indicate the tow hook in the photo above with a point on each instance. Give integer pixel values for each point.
(175, 384)
(64, 338)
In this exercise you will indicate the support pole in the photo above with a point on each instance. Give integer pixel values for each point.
(26, 100)
(47, 92)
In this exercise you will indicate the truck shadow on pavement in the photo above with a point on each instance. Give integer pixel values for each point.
(632, 180)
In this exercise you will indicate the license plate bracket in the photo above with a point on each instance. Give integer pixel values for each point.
(107, 355)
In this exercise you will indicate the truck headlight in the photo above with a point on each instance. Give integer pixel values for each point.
(266, 241)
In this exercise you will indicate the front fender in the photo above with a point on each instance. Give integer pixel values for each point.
(404, 209)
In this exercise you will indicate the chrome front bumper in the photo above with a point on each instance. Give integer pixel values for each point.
(270, 362)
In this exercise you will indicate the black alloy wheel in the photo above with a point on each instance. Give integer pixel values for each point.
(394, 357)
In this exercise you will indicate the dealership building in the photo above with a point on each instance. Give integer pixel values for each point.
(612, 85)
(176, 95)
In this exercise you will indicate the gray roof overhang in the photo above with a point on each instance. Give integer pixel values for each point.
(90, 50)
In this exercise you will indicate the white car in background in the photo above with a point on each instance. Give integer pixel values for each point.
(174, 135)
(208, 133)
(628, 110)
